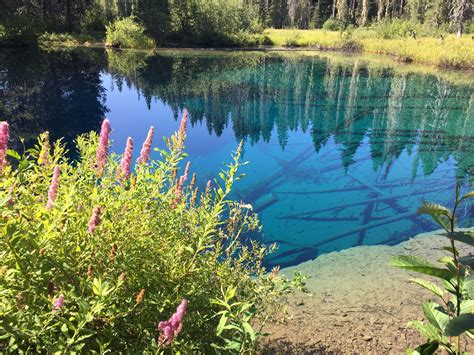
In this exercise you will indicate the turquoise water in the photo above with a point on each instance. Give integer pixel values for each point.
(342, 151)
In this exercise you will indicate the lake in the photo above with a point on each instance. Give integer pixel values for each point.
(341, 150)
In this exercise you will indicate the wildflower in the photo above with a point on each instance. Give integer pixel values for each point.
(193, 181)
(44, 157)
(145, 152)
(4, 137)
(140, 296)
(94, 220)
(208, 186)
(194, 196)
(182, 129)
(275, 271)
(113, 252)
(59, 302)
(186, 170)
(179, 189)
(102, 148)
(121, 277)
(173, 326)
(53, 188)
(126, 160)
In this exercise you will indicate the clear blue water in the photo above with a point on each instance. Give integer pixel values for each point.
(342, 152)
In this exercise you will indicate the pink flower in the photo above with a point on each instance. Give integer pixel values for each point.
(53, 188)
(182, 129)
(179, 189)
(102, 148)
(94, 220)
(208, 186)
(126, 160)
(186, 171)
(59, 302)
(4, 137)
(145, 152)
(173, 326)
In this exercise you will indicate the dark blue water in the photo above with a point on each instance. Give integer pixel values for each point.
(341, 152)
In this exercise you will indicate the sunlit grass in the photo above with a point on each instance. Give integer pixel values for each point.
(449, 52)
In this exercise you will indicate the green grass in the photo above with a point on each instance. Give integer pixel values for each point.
(451, 52)
(53, 40)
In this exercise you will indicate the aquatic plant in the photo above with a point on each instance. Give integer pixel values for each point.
(93, 262)
(454, 317)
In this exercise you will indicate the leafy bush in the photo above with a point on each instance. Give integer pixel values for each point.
(18, 30)
(454, 317)
(93, 255)
(214, 22)
(127, 33)
(397, 28)
(333, 25)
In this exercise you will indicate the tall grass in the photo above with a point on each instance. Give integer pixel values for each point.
(447, 52)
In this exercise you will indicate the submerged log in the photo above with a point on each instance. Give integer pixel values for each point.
(265, 201)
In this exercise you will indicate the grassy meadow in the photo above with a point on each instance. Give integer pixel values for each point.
(449, 52)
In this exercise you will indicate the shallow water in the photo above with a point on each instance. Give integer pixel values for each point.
(342, 151)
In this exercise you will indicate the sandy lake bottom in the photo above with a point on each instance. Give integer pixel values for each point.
(359, 304)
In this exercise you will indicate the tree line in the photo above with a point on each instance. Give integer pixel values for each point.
(201, 20)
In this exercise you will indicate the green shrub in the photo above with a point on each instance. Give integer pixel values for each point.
(93, 255)
(127, 33)
(333, 25)
(454, 316)
(18, 30)
(398, 28)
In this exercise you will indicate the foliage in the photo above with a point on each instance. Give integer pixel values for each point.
(18, 30)
(213, 22)
(454, 316)
(114, 255)
(332, 25)
(127, 33)
(447, 52)
(397, 28)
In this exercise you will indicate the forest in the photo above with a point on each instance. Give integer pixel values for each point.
(228, 22)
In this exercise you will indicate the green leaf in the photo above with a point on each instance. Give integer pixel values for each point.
(458, 325)
(470, 194)
(467, 306)
(249, 330)
(463, 237)
(13, 154)
(436, 315)
(433, 209)
(427, 330)
(440, 214)
(64, 328)
(417, 264)
(222, 323)
(230, 293)
(429, 286)
(428, 348)
(468, 286)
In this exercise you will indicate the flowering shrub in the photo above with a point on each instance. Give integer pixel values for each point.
(96, 256)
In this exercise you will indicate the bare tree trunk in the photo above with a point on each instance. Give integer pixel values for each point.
(364, 15)
(458, 15)
(380, 10)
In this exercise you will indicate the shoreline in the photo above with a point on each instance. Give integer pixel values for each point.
(358, 303)
(358, 49)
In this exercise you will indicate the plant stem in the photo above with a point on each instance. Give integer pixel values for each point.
(458, 266)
